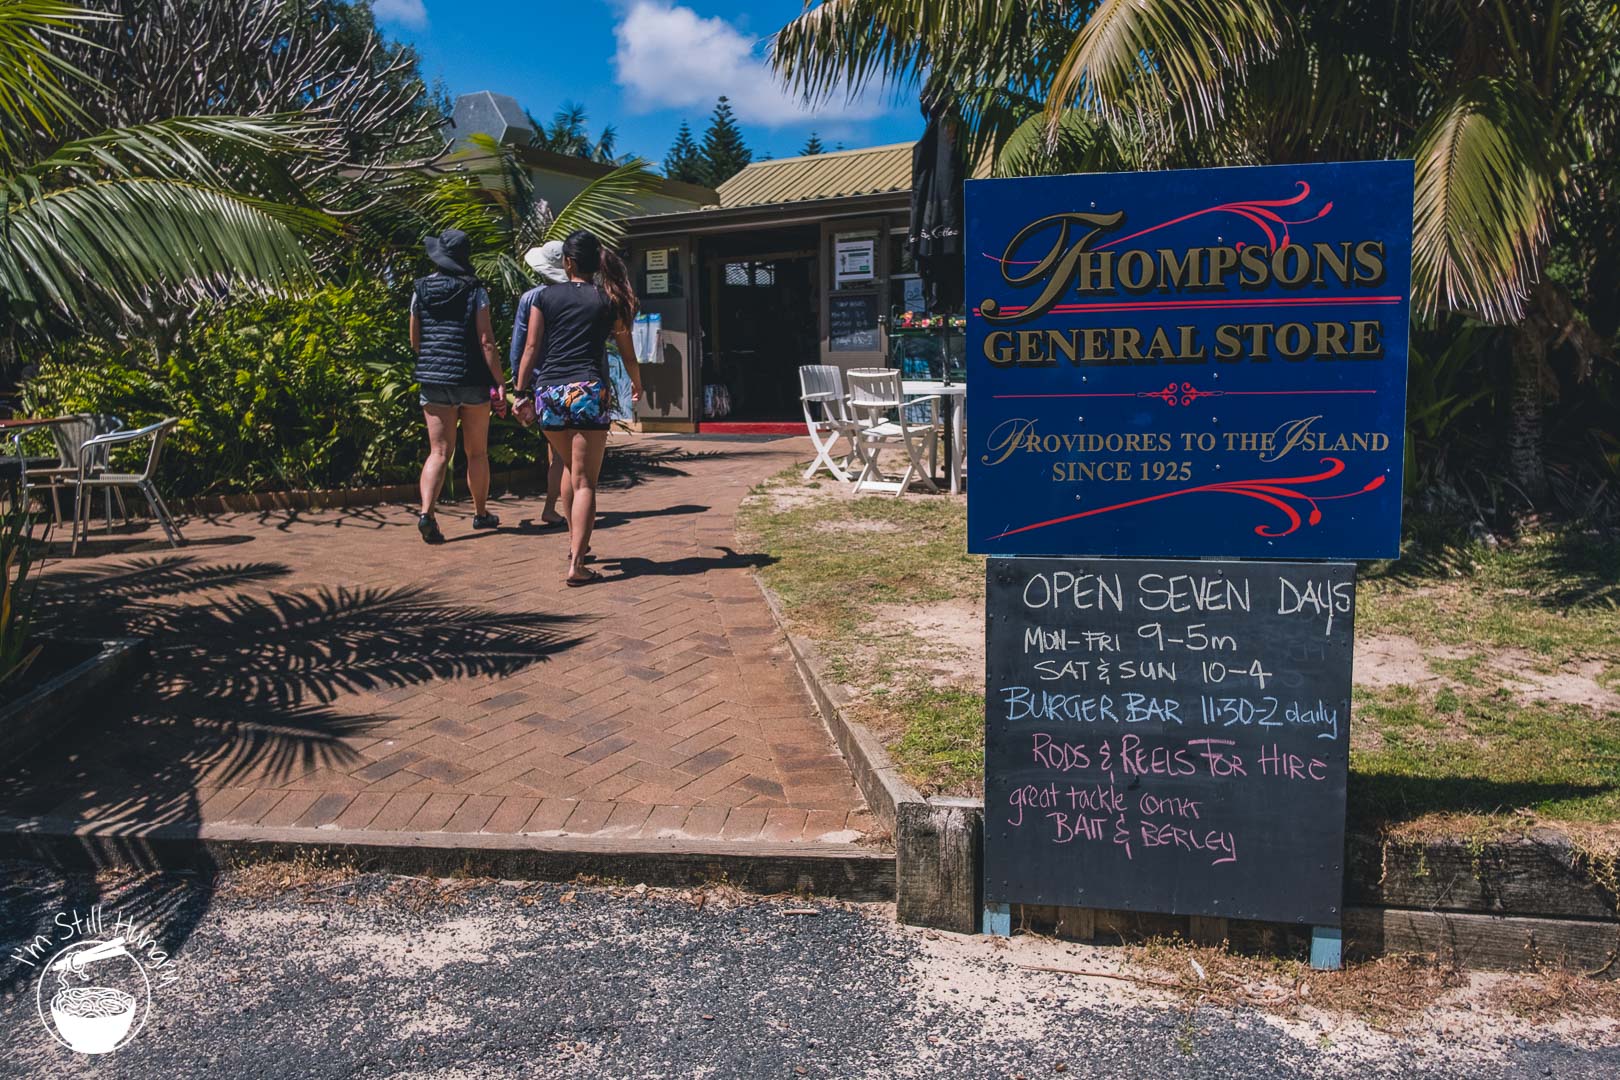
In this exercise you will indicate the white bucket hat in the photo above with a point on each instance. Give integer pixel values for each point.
(547, 261)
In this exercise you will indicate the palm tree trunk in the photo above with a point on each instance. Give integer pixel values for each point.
(1527, 467)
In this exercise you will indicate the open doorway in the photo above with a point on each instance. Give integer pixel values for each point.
(762, 320)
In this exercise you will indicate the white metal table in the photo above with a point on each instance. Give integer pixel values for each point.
(952, 396)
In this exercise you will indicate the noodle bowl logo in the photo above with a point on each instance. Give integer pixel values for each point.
(94, 992)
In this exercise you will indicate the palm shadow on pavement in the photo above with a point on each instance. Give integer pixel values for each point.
(241, 693)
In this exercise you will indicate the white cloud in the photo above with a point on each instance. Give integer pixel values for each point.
(670, 57)
(411, 13)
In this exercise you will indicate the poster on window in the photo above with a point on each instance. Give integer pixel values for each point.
(854, 260)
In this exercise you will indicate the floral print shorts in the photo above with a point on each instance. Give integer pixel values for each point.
(580, 405)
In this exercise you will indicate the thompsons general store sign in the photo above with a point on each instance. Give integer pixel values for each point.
(1200, 363)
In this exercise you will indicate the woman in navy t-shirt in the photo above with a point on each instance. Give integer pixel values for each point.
(565, 363)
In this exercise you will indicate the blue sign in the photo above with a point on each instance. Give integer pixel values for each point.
(1207, 362)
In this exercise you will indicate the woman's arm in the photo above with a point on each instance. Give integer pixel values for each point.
(416, 334)
(531, 349)
(627, 352)
(492, 356)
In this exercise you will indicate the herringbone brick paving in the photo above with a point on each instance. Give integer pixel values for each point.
(328, 669)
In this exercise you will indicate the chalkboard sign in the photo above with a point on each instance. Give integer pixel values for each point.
(1168, 736)
(852, 323)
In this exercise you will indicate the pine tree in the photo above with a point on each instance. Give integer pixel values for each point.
(813, 146)
(724, 153)
(684, 162)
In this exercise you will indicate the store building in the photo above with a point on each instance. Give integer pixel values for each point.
(801, 261)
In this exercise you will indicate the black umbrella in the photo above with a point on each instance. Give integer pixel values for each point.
(937, 172)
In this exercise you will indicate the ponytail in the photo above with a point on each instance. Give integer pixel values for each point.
(616, 280)
(589, 257)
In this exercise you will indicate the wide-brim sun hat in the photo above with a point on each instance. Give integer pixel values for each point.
(547, 261)
(451, 250)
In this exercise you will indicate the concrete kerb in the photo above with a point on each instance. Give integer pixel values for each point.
(844, 871)
(937, 840)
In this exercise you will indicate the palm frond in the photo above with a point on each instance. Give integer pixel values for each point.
(601, 207)
(1178, 51)
(850, 44)
(34, 97)
(109, 242)
(1080, 143)
(1486, 181)
(203, 149)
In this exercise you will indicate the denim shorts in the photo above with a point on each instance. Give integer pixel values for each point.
(578, 406)
(449, 396)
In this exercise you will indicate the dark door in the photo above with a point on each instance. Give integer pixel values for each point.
(766, 321)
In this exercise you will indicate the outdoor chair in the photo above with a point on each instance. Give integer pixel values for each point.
(882, 421)
(141, 481)
(827, 418)
(72, 435)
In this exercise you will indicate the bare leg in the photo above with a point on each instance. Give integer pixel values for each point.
(554, 486)
(561, 446)
(584, 466)
(441, 428)
(475, 441)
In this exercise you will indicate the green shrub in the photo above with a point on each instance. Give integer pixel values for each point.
(16, 592)
(272, 394)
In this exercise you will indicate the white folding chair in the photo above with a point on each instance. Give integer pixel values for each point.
(827, 418)
(883, 421)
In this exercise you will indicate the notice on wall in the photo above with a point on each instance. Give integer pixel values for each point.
(658, 283)
(854, 259)
(658, 259)
(1206, 362)
(852, 323)
(1168, 736)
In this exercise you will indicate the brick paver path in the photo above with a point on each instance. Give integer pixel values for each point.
(330, 669)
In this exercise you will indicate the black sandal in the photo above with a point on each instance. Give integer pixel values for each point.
(591, 578)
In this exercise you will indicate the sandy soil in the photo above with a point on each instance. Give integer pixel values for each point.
(1388, 660)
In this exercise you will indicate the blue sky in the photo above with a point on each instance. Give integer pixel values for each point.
(642, 65)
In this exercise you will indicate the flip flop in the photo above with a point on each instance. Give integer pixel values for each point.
(591, 578)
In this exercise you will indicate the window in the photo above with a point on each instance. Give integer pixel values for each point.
(750, 273)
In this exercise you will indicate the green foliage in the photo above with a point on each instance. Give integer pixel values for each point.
(487, 192)
(684, 161)
(1444, 428)
(724, 153)
(566, 134)
(1505, 107)
(97, 224)
(272, 394)
(16, 592)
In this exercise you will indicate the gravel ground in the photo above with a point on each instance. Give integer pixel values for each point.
(385, 977)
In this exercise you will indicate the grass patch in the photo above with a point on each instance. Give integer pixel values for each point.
(941, 742)
(1553, 594)
(1462, 751)
(1480, 754)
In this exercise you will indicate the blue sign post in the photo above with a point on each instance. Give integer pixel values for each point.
(1205, 363)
